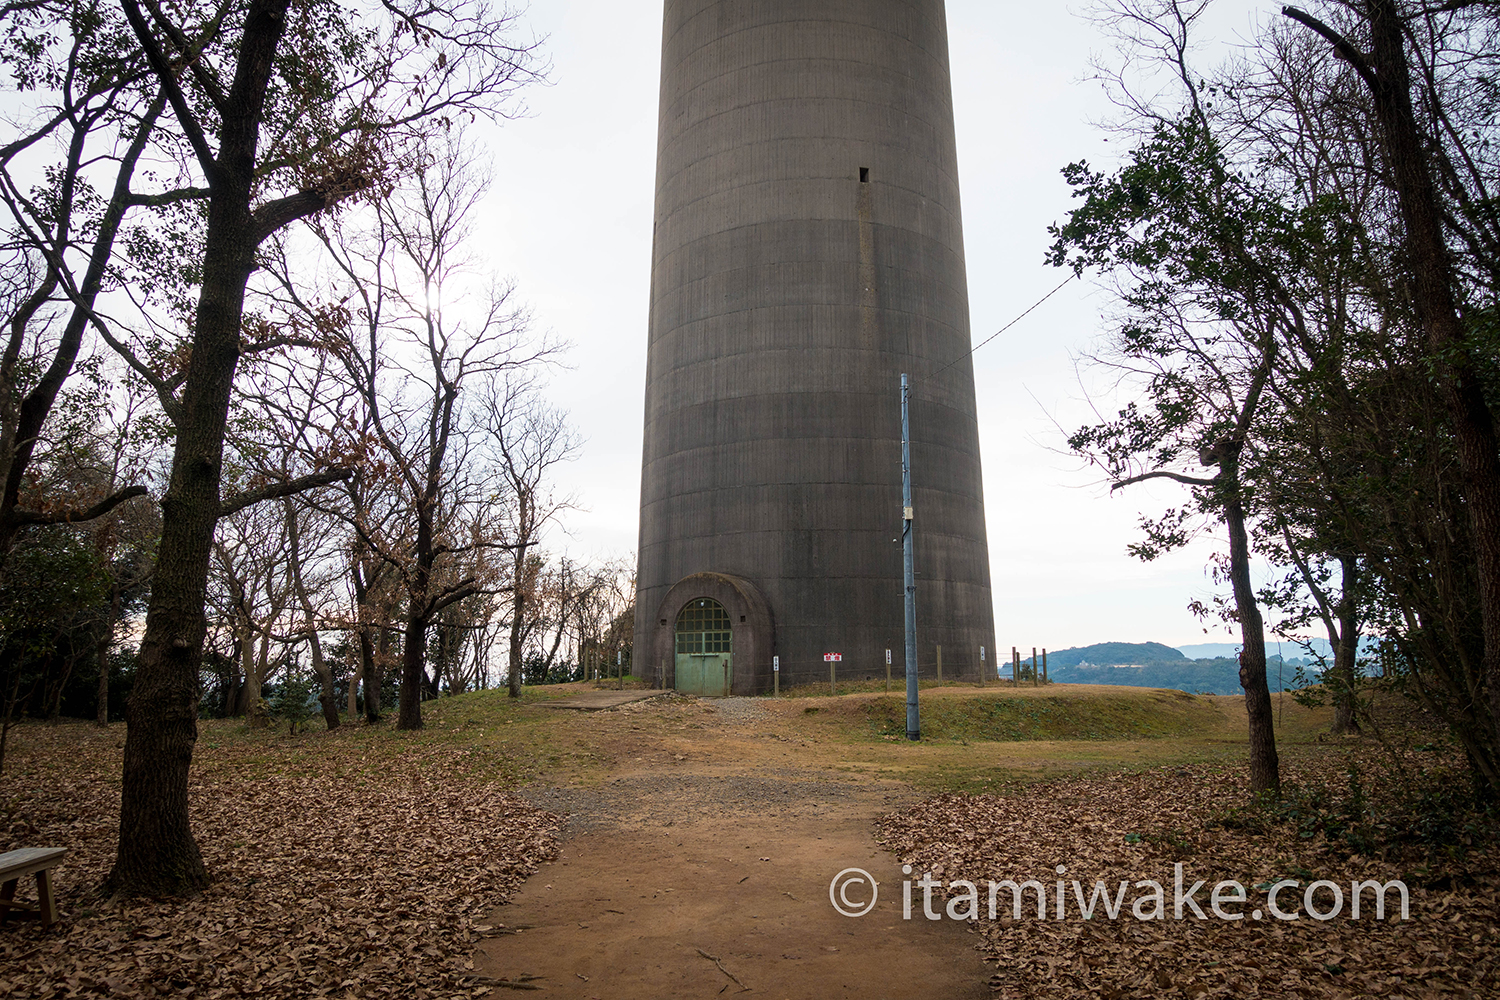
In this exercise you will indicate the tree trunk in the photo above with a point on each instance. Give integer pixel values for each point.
(369, 672)
(234, 697)
(101, 654)
(255, 681)
(12, 698)
(518, 593)
(371, 660)
(418, 616)
(558, 636)
(101, 693)
(54, 696)
(1346, 652)
(327, 695)
(1265, 774)
(157, 855)
(518, 609)
(354, 676)
(413, 648)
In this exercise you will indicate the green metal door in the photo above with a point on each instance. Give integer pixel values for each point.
(704, 657)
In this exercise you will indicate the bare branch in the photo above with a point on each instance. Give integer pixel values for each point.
(73, 515)
(191, 127)
(275, 491)
(165, 198)
(1341, 45)
(1176, 477)
(274, 214)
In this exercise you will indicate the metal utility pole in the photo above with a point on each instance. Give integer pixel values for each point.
(908, 570)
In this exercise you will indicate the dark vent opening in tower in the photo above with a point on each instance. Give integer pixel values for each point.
(864, 175)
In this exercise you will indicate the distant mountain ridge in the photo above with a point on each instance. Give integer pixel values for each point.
(1289, 649)
(1154, 665)
(1109, 654)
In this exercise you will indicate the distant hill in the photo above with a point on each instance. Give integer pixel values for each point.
(1153, 665)
(1288, 649)
(1209, 650)
(1109, 654)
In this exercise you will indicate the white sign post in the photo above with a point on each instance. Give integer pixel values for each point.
(776, 675)
(832, 658)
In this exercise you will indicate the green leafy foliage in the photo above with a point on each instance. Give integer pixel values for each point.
(1255, 220)
(295, 700)
(1427, 816)
(53, 581)
(539, 671)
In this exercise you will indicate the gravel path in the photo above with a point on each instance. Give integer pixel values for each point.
(664, 800)
(730, 711)
(741, 710)
(698, 848)
(673, 795)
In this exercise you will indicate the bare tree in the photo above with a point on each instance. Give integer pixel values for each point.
(125, 536)
(252, 593)
(374, 588)
(299, 570)
(561, 589)
(347, 116)
(59, 231)
(291, 433)
(532, 438)
(417, 356)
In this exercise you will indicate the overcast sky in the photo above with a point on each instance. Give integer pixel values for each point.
(570, 219)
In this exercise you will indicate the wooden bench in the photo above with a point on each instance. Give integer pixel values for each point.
(38, 861)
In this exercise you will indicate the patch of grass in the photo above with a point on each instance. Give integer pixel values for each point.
(1430, 814)
(493, 737)
(819, 689)
(1134, 714)
(1005, 768)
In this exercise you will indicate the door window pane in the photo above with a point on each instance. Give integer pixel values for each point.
(703, 627)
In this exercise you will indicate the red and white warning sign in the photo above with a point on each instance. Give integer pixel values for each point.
(833, 657)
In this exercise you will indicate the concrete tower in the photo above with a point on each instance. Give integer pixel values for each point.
(807, 251)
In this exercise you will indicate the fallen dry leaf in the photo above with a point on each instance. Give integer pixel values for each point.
(334, 874)
(1138, 826)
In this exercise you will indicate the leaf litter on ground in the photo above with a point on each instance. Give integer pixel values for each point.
(337, 872)
(1129, 827)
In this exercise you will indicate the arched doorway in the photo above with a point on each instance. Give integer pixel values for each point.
(751, 632)
(704, 645)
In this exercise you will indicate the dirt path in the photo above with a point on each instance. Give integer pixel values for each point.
(699, 866)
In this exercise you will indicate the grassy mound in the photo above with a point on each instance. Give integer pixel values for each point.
(1057, 712)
